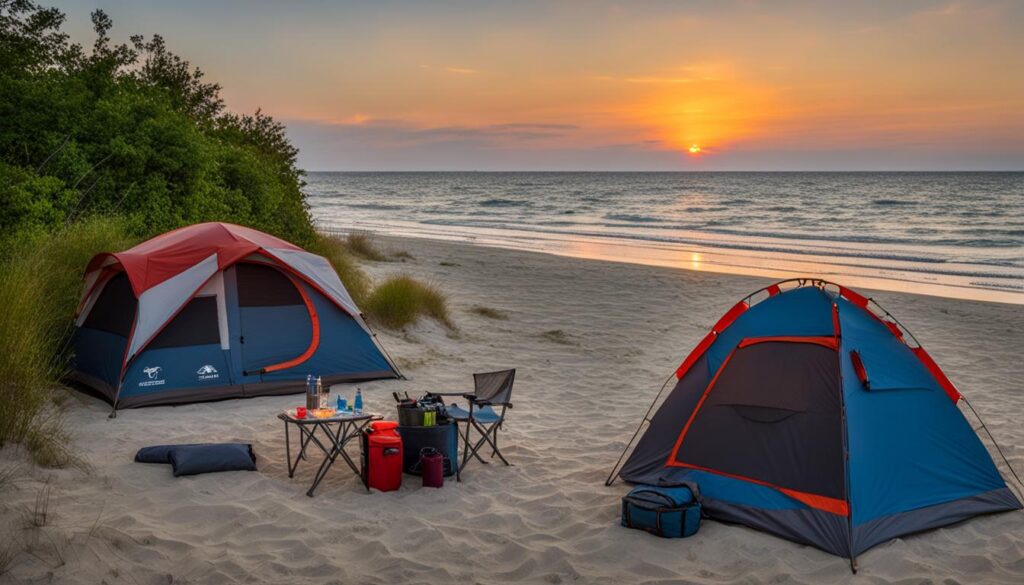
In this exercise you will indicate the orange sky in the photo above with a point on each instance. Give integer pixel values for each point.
(393, 85)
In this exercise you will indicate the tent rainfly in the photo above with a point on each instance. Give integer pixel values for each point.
(811, 413)
(214, 311)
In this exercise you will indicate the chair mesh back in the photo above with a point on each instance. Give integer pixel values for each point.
(494, 386)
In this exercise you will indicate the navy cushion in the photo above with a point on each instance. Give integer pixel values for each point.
(158, 453)
(196, 459)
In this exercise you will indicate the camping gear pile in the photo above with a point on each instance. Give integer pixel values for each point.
(811, 413)
(427, 411)
(213, 311)
(426, 430)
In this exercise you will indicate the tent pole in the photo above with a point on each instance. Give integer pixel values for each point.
(995, 443)
(611, 476)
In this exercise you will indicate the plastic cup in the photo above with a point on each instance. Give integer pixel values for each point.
(300, 412)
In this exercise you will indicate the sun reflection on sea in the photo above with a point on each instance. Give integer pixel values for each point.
(695, 261)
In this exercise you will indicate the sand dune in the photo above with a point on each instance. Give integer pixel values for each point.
(593, 342)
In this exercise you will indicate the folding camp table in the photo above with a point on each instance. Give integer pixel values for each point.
(336, 432)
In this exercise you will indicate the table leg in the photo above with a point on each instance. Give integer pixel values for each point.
(337, 448)
(306, 436)
(288, 450)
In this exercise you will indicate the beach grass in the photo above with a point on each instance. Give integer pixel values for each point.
(40, 280)
(362, 245)
(402, 300)
(337, 252)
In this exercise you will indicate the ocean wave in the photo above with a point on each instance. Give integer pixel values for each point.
(380, 206)
(634, 218)
(838, 256)
(892, 202)
(497, 202)
(999, 285)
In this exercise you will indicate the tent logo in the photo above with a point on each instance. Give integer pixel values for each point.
(207, 372)
(153, 373)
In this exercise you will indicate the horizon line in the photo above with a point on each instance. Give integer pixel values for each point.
(1021, 170)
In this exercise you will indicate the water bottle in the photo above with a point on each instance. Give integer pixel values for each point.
(325, 395)
(320, 393)
(358, 402)
(312, 398)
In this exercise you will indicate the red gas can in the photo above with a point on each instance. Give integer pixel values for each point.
(384, 427)
(383, 461)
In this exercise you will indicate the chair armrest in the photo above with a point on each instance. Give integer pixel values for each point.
(445, 394)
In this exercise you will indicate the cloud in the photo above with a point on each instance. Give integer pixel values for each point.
(668, 80)
(451, 69)
(644, 79)
(401, 145)
(391, 133)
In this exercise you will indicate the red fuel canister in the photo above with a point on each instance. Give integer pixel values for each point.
(384, 461)
(432, 466)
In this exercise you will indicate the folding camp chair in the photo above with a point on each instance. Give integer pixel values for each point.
(491, 390)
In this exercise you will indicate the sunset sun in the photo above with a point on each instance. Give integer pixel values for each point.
(694, 149)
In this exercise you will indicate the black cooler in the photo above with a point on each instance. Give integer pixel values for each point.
(444, 438)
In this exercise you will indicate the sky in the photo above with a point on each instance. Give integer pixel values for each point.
(629, 85)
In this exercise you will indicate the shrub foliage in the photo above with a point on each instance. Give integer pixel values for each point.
(134, 130)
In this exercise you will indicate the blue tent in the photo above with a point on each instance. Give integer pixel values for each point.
(810, 413)
(215, 311)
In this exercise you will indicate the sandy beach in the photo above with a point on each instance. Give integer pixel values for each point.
(592, 342)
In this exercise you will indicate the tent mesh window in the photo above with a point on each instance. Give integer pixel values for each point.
(196, 324)
(773, 415)
(265, 286)
(114, 309)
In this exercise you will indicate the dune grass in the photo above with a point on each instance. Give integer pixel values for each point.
(362, 245)
(337, 252)
(395, 303)
(40, 279)
(402, 300)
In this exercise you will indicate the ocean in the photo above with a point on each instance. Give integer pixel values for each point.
(948, 234)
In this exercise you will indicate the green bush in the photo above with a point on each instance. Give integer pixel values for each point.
(130, 130)
(402, 300)
(40, 282)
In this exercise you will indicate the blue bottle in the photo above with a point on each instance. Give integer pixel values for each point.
(358, 403)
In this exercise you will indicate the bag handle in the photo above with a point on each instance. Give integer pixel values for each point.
(668, 500)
